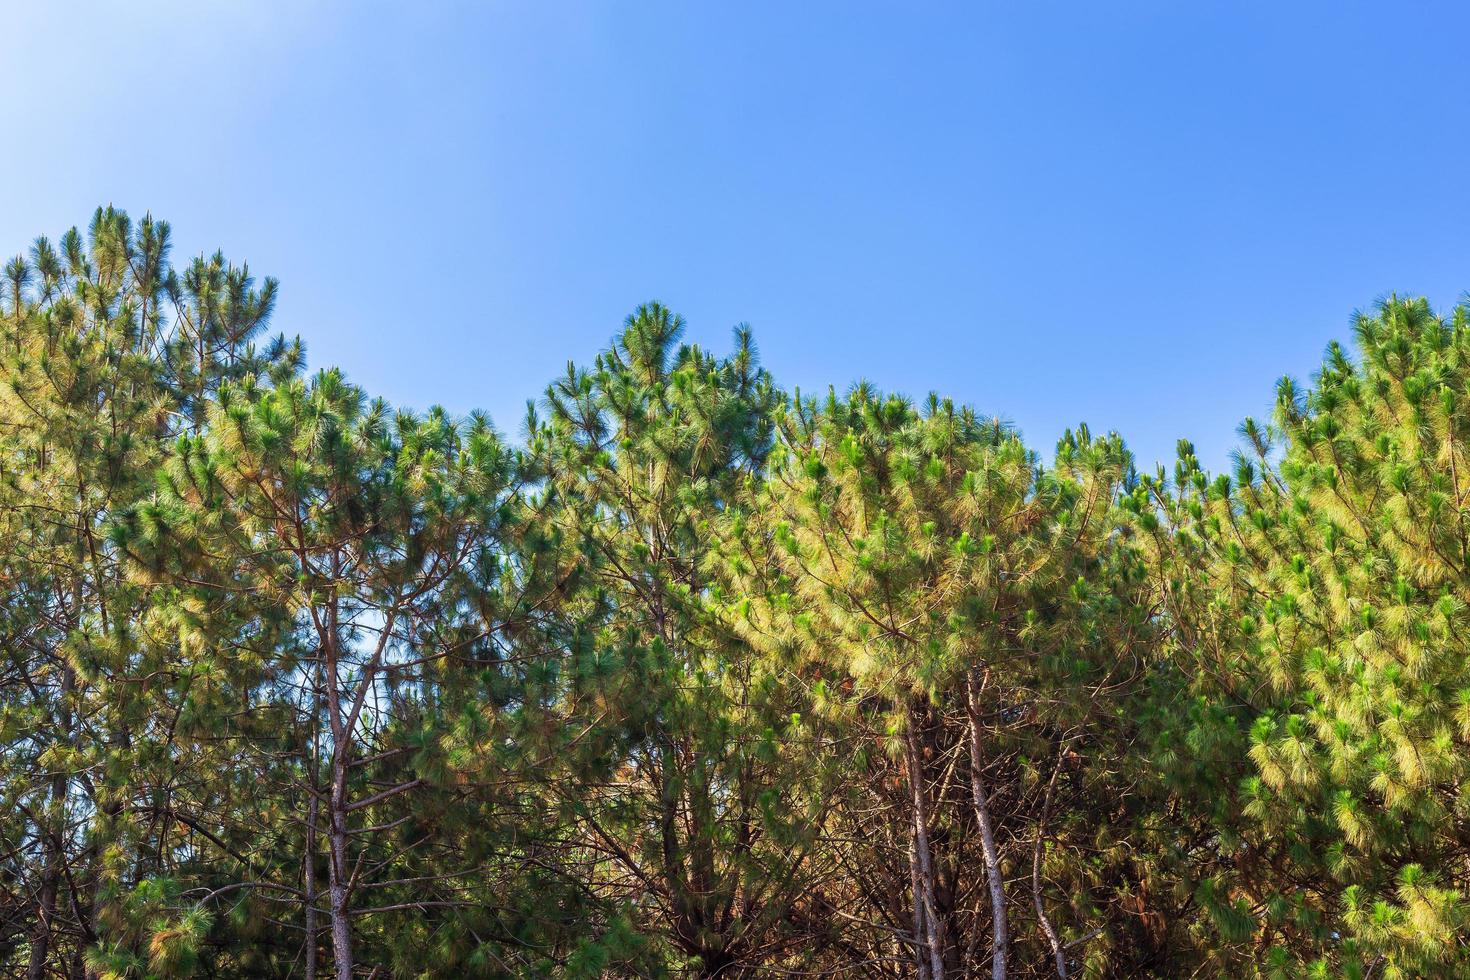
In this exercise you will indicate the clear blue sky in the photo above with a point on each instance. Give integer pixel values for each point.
(1134, 214)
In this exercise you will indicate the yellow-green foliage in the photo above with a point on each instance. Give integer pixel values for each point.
(703, 679)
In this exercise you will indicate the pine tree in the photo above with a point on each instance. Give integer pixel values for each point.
(377, 536)
(970, 614)
(88, 400)
(1320, 595)
(696, 816)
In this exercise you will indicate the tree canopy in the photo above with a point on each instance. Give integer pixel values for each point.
(698, 677)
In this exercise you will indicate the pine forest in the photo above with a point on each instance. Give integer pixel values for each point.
(686, 674)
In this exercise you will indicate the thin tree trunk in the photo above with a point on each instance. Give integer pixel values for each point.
(95, 889)
(52, 839)
(337, 880)
(338, 871)
(717, 965)
(308, 884)
(935, 931)
(45, 912)
(987, 830)
(1058, 951)
(921, 929)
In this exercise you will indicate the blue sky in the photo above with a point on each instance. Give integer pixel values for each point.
(1139, 215)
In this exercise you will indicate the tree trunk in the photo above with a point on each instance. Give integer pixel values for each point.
(337, 883)
(717, 965)
(1058, 951)
(921, 926)
(337, 879)
(934, 933)
(52, 842)
(308, 884)
(45, 912)
(338, 872)
(987, 830)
